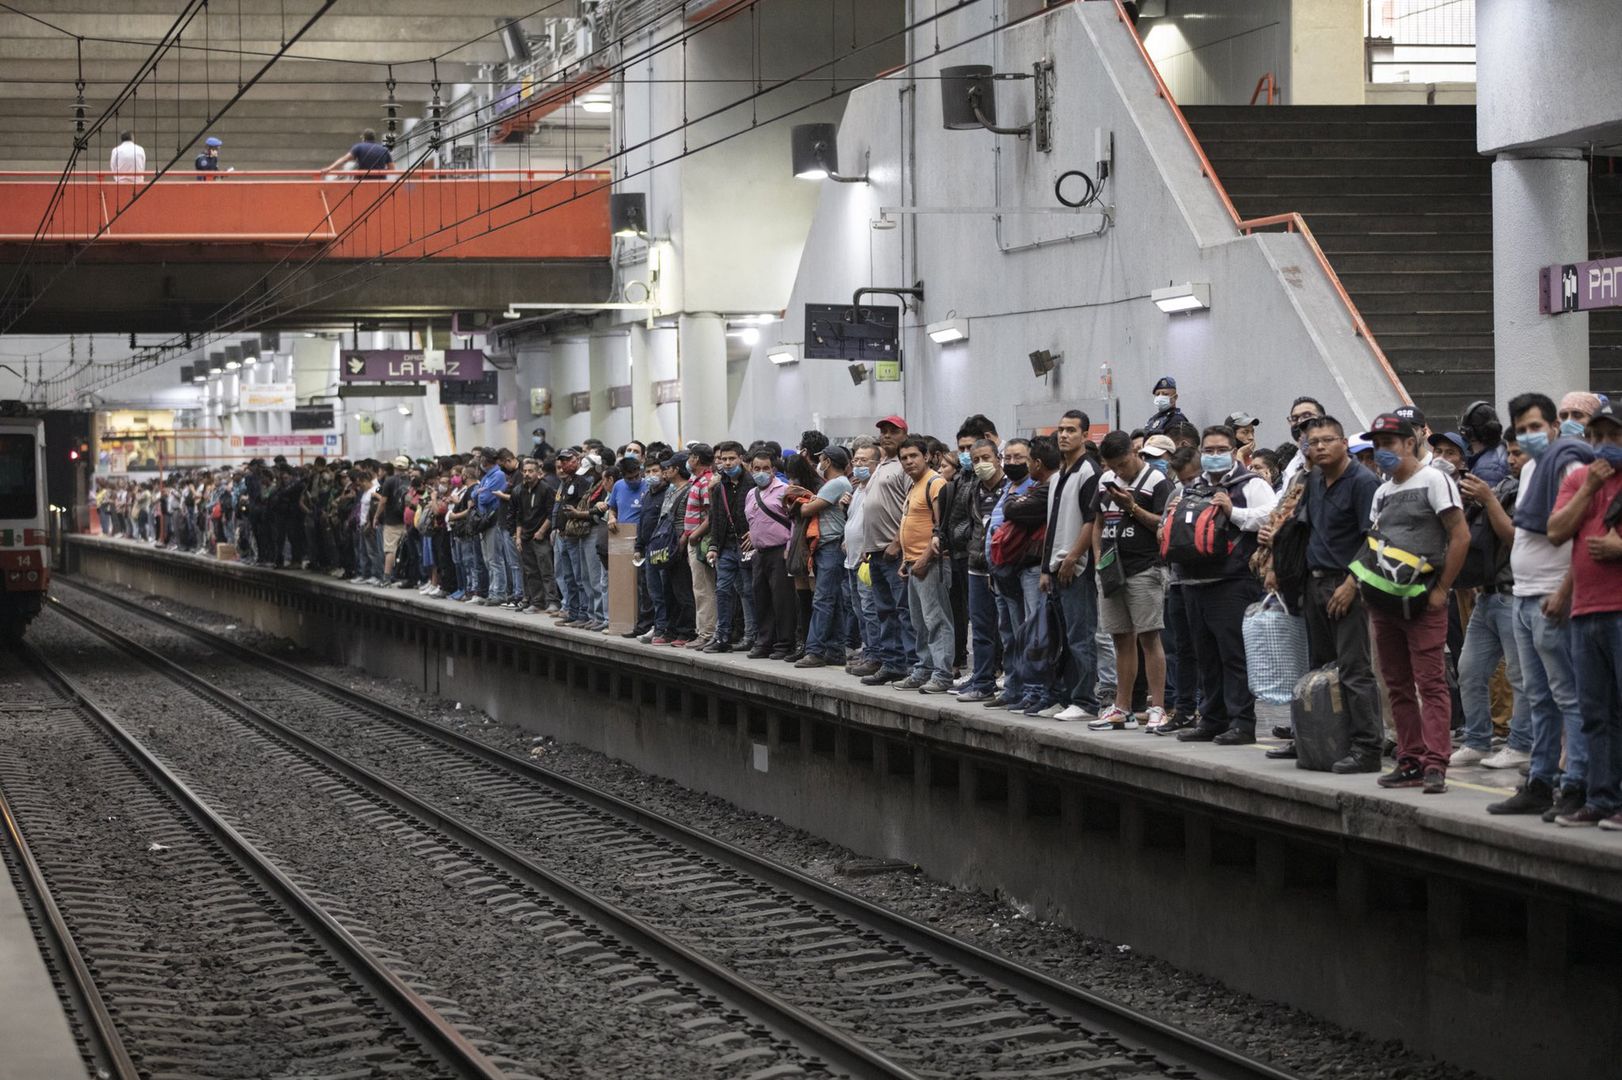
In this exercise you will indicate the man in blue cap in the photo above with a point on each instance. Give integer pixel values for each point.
(1166, 411)
(209, 160)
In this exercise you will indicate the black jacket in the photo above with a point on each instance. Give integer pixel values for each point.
(532, 504)
(728, 523)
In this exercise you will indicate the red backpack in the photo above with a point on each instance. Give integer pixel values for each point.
(1196, 536)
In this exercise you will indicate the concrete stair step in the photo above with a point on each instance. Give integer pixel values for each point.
(1317, 114)
(1403, 302)
(1458, 262)
(1377, 183)
(1290, 146)
(1364, 205)
(1421, 284)
(1399, 131)
(1336, 244)
(1403, 161)
(1465, 323)
(1364, 222)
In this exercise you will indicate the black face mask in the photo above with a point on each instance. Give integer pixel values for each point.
(1016, 472)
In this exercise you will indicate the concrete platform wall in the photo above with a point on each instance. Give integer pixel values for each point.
(1502, 973)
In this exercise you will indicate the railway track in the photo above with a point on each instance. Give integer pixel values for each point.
(182, 950)
(936, 1005)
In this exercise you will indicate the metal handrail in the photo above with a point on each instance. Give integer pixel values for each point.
(1269, 83)
(1294, 220)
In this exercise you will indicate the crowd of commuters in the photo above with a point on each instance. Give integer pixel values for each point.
(1463, 582)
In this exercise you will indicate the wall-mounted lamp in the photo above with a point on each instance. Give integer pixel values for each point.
(858, 373)
(1189, 296)
(403, 409)
(600, 103)
(783, 354)
(969, 100)
(816, 154)
(1043, 362)
(199, 375)
(233, 357)
(948, 331)
(628, 213)
(216, 363)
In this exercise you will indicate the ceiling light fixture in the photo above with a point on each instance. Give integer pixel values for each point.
(1179, 299)
(597, 105)
(815, 150)
(781, 354)
(948, 331)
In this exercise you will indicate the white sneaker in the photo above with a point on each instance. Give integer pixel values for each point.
(1052, 711)
(1155, 718)
(1073, 712)
(1466, 755)
(1114, 718)
(1507, 759)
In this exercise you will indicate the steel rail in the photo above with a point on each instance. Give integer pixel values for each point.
(841, 1051)
(1206, 1057)
(105, 1045)
(420, 1018)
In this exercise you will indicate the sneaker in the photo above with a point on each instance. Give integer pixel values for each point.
(436, 593)
(1435, 782)
(1466, 755)
(679, 643)
(810, 660)
(660, 639)
(911, 682)
(426, 588)
(969, 696)
(1001, 701)
(1356, 763)
(647, 638)
(1049, 712)
(717, 647)
(1176, 722)
(1507, 758)
(1586, 816)
(759, 652)
(1283, 731)
(862, 668)
(883, 675)
(1532, 797)
(598, 627)
(936, 686)
(1113, 718)
(532, 610)
(1612, 823)
(458, 595)
(1406, 774)
(1567, 803)
(1154, 719)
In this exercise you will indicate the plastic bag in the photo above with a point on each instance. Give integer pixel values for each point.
(1275, 649)
(864, 574)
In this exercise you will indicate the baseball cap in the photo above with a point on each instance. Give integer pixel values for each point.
(402, 462)
(1450, 437)
(1166, 383)
(1360, 444)
(1607, 413)
(537, 431)
(837, 456)
(1158, 446)
(568, 452)
(1242, 419)
(1411, 414)
(893, 421)
(1390, 423)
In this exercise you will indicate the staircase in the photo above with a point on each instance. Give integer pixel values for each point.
(1402, 204)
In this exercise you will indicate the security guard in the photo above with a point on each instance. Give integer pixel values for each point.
(209, 160)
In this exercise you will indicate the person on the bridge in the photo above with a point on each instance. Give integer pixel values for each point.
(128, 161)
(209, 160)
(369, 156)
(1166, 410)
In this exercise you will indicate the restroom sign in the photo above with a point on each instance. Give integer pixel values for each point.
(1584, 286)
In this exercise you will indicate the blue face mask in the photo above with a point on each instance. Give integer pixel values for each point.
(1534, 443)
(1158, 465)
(731, 471)
(1610, 453)
(1571, 429)
(860, 473)
(963, 459)
(1387, 460)
(762, 479)
(1216, 463)
(633, 457)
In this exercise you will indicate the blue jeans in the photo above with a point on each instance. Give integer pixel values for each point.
(1018, 594)
(1489, 637)
(1551, 692)
(893, 646)
(495, 562)
(728, 592)
(507, 548)
(658, 578)
(826, 636)
(586, 569)
(1597, 649)
(856, 606)
(982, 635)
(1078, 684)
(365, 567)
(866, 628)
(929, 600)
(568, 591)
(1104, 646)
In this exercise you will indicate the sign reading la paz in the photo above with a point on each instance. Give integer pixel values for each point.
(1584, 286)
(399, 365)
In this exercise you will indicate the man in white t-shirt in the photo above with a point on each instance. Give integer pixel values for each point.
(1542, 593)
(128, 161)
(1416, 511)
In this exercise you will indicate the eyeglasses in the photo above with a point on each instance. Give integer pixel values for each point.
(1326, 440)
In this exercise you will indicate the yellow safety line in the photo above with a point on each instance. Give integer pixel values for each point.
(1451, 782)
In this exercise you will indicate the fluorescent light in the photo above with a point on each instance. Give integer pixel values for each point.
(812, 174)
(249, 361)
(404, 409)
(232, 365)
(748, 335)
(949, 330)
(597, 105)
(1189, 296)
(783, 354)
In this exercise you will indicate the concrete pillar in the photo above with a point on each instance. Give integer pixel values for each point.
(1539, 218)
(702, 343)
(644, 418)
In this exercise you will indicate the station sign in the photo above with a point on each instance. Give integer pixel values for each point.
(401, 365)
(286, 442)
(1584, 286)
(268, 397)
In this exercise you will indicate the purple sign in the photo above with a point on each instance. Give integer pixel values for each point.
(398, 365)
(1584, 286)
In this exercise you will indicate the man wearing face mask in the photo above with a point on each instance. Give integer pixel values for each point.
(1017, 589)
(1166, 411)
(770, 526)
(1589, 509)
(881, 525)
(1302, 410)
(541, 449)
(1540, 562)
(729, 539)
(988, 480)
(588, 583)
(864, 457)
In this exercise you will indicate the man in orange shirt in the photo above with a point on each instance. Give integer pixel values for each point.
(929, 580)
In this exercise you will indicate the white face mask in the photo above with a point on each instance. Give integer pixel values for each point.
(1162, 402)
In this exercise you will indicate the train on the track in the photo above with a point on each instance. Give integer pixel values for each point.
(25, 550)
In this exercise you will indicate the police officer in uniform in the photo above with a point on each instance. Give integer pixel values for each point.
(209, 160)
